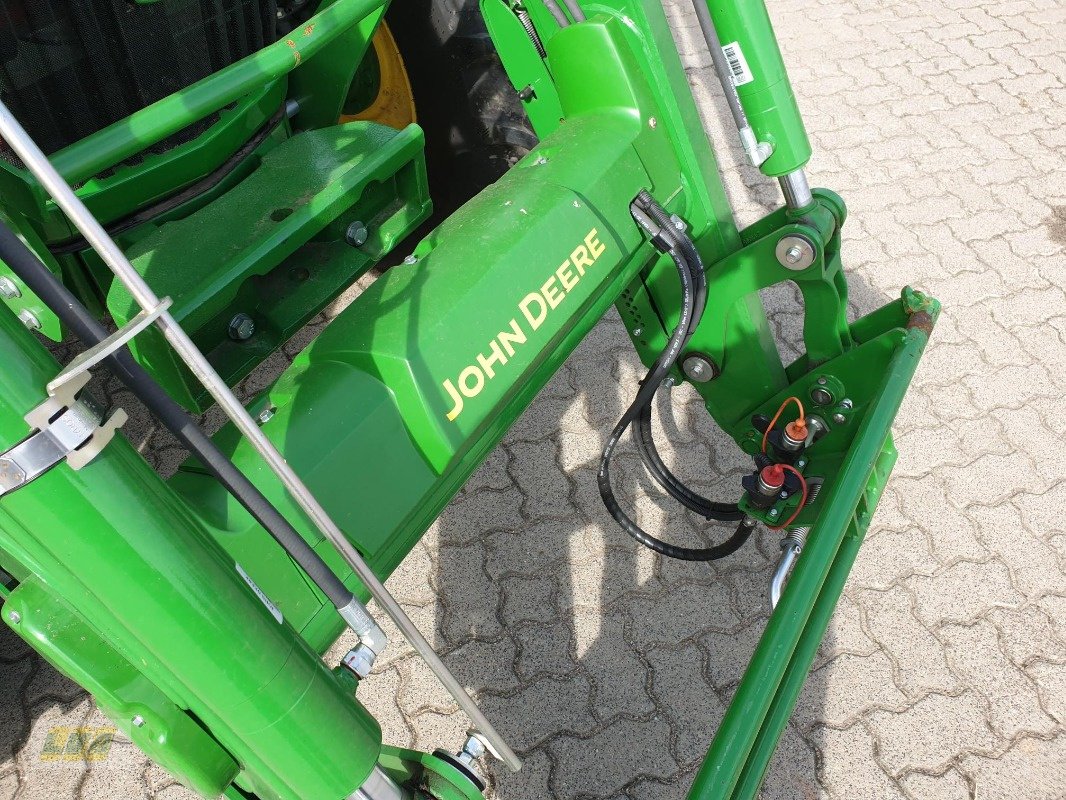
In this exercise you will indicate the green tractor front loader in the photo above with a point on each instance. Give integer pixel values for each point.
(186, 184)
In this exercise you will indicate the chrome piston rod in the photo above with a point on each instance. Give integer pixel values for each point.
(38, 164)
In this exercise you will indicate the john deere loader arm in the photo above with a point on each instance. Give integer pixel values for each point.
(197, 609)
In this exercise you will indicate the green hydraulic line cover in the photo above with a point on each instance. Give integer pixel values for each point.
(107, 147)
(761, 81)
(746, 715)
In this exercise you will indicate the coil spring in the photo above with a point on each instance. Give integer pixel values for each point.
(527, 23)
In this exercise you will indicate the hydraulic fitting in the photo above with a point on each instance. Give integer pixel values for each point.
(765, 486)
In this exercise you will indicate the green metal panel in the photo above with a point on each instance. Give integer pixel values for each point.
(274, 246)
(556, 229)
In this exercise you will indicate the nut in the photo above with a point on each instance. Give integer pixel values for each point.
(8, 289)
(357, 234)
(241, 327)
(29, 319)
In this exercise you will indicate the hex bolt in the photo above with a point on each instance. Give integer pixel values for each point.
(357, 234)
(15, 617)
(846, 403)
(773, 512)
(241, 327)
(526, 94)
(29, 319)
(638, 331)
(653, 123)
(795, 253)
(783, 495)
(266, 415)
(699, 369)
(8, 289)
(411, 259)
(138, 721)
(840, 419)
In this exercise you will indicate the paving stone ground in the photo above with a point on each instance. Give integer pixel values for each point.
(944, 672)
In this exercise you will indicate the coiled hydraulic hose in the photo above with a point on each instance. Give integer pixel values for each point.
(75, 316)
(647, 390)
(649, 454)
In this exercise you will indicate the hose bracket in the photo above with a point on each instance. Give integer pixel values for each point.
(81, 365)
(67, 427)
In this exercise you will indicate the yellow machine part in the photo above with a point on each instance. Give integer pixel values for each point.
(395, 102)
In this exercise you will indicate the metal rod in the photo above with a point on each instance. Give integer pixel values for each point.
(36, 161)
(788, 692)
(796, 190)
(757, 152)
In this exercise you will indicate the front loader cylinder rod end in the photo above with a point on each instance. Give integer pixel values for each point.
(796, 190)
(379, 786)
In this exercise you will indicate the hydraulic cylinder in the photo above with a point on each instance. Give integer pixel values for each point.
(115, 542)
(758, 72)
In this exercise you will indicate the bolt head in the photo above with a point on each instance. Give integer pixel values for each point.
(541, 160)
(357, 234)
(840, 419)
(773, 512)
(474, 747)
(241, 327)
(29, 319)
(699, 369)
(266, 415)
(638, 331)
(138, 721)
(8, 289)
(653, 122)
(793, 254)
(410, 260)
(15, 617)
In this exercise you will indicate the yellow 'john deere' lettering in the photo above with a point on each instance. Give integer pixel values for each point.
(533, 310)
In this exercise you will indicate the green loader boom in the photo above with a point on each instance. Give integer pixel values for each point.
(212, 222)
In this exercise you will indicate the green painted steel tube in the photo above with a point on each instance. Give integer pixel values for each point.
(761, 81)
(117, 544)
(747, 714)
(796, 674)
(107, 147)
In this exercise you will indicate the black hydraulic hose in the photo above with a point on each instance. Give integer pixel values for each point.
(176, 419)
(649, 454)
(647, 390)
(688, 249)
(205, 184)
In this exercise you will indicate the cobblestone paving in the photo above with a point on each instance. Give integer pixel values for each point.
(944, 673)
